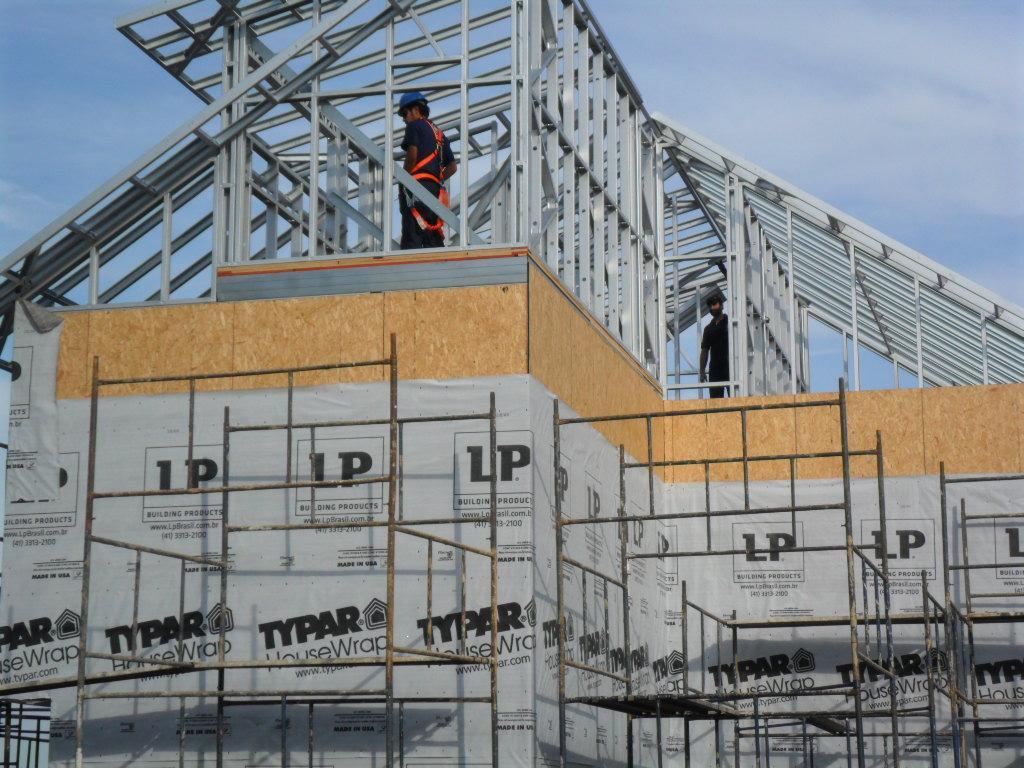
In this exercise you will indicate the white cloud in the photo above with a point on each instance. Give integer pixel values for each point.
(907, 114)
(23, 211)
(918, 106)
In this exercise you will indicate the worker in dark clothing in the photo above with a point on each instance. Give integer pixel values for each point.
(715, 344)
(429, 160)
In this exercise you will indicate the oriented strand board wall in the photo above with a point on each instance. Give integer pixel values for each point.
(463, 332)
(580, 362)
(444, 334)
(971, 429)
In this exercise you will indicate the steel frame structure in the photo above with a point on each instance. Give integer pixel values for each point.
(947, 631)
(395, 656)
(787, 257)
(293, 154)
(293, 157)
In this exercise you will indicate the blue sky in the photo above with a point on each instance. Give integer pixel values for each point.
(908, 115)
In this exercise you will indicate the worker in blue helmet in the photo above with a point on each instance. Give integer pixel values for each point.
(429, 160)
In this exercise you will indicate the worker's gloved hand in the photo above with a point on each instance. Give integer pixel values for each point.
(703, 377)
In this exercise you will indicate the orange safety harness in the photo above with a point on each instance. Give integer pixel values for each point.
(418, 174)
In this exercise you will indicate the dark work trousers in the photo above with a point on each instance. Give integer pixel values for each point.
(717, 375)
(412, 235)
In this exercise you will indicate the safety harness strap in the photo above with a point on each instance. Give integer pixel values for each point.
(418, 174)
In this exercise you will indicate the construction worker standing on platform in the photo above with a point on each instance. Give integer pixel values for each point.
(715, 344)
(429, 160)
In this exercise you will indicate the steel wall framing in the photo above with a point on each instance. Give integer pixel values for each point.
(294, 156)
(295, 153)
(811, 260)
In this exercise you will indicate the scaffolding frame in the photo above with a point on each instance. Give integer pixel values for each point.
(21, 725)
(722, 704)
(961, 622)
(394, 656)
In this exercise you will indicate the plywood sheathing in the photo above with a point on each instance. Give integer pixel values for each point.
(459, 332)
(973, 429)
(897, 415)
(300, 332)
(1019, 415)
(442, 334)
(578, 360)
(686, 439)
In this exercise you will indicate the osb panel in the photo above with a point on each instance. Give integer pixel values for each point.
(578, 361)
(144, 342)
(214, 325)
(817, 431)
(972, 429)
(1019, 416)
(724, 440)
(74, 366)
(458, 332)
(289, 333)
(771, 433)
(444, 333)
(897, 415)
(721, 436)
(687, 438)
(919, 427)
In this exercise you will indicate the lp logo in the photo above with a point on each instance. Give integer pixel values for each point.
(772, 548)
(198, 471)
(168, 468)
(510, 458)
(767, 550)
(512, 471)
(353, 463)
(908, 544)
(907, 540)
(1013, 541)
(1009, 550)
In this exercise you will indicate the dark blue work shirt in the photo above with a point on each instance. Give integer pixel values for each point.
(419, 134)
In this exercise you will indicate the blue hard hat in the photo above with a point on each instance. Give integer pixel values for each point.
(409, 99)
